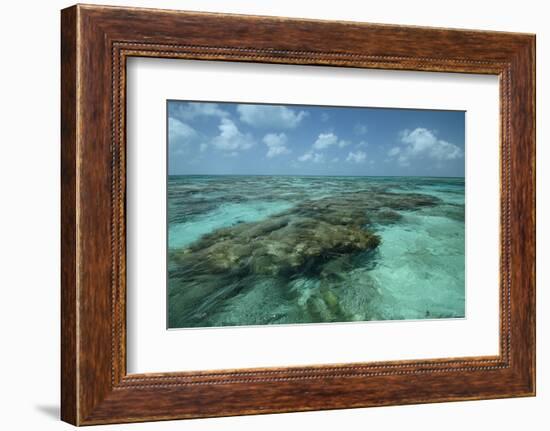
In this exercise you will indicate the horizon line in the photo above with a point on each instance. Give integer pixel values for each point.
(312, 175)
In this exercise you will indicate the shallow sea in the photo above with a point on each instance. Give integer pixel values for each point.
(257, 250)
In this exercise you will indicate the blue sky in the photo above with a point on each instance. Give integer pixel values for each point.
(256, 139)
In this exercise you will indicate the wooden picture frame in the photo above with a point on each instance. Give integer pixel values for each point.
(95, 43)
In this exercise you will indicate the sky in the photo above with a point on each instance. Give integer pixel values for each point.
(261, 139)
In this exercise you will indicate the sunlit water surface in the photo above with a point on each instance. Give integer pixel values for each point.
(415, 272)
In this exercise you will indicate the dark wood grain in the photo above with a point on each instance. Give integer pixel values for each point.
(96, 41)
(69, 367)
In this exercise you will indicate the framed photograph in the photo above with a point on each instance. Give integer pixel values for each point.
(263, 214)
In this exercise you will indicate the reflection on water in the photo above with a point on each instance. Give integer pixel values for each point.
(257, 250)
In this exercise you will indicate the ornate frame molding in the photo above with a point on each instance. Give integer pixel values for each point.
(96, 41)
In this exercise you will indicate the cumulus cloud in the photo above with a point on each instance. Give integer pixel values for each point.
(360, 129)
(311, 156)
(231, 138)
(394, 151)
(269, 116)
(305, 157)
(422, 142)
(358, 157)
(325, 140)
(179, 130)
(180, 135)
(191, 110)
(362, 144)
(276, 144)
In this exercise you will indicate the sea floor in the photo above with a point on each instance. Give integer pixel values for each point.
(258, 250)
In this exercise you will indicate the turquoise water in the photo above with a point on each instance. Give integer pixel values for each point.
(256, 250)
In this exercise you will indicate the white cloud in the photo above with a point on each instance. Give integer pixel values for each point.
(324, 117)
(203, 147)
(358, 157)
(325, 140)
(402, 157)
(180, 135)
(277, 151)
(276, 144)
(231, 138)
(394, 151)
(305, 157)
(311, 156)
(422, 142)
(362, 144)
(189, 111)
(263, 116)
(360, 129)
(178, 129)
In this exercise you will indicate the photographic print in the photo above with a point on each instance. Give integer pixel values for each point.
(295, 214)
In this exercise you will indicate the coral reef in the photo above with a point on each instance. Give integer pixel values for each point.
(317, 238)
